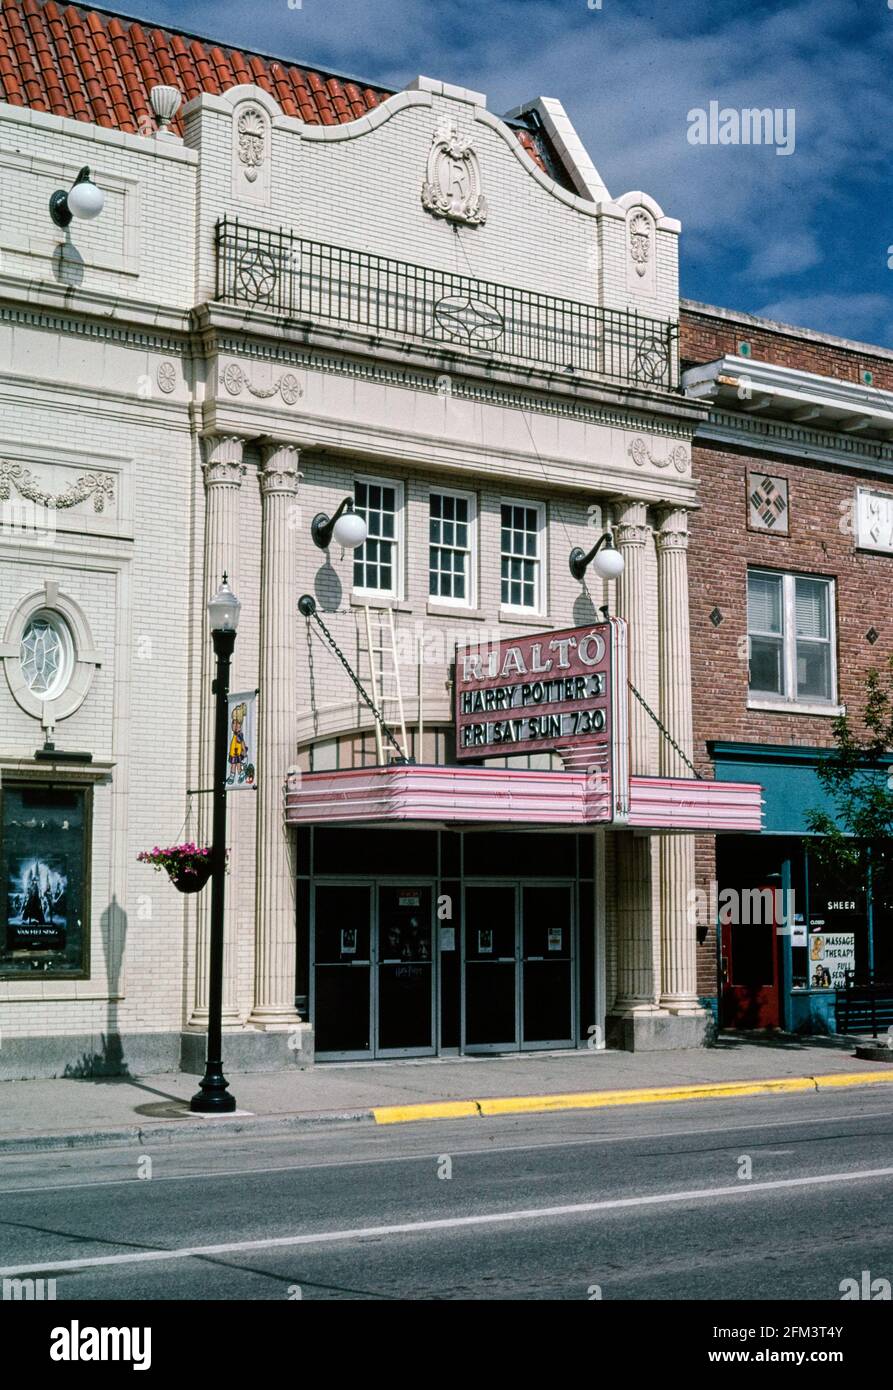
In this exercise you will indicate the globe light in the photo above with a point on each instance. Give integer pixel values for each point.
(349, 531)
(83, 200)
(86, 201)
(346, 527)
(609, 563)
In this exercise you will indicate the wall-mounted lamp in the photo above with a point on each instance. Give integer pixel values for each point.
(83, 200)
(346, 528)
(608, 561)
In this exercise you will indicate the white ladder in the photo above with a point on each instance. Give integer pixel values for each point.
(384, 673)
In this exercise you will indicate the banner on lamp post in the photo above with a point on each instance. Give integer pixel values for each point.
(241, 754)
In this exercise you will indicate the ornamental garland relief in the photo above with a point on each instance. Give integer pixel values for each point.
(452, 185)
(99, 486)
(641, 454)
(234, 378)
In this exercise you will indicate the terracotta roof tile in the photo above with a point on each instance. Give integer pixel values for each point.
(99, 67)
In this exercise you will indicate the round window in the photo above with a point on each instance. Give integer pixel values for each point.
(47, 655)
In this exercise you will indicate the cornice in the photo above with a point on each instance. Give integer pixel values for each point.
(778, 436)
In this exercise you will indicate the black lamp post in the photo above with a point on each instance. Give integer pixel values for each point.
(223, 612)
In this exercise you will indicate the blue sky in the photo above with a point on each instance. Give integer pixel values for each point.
(804, 237)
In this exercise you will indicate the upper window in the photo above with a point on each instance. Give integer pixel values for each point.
(450, 539)
(790, 624)
(376, 561)
(521, 555)
(46, 655)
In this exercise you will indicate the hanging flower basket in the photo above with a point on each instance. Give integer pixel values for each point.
(188, 866)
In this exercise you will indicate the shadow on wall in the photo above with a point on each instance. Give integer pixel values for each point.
(68, 264)
(584, 610)
(109, 1059)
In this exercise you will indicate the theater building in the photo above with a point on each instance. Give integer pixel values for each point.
(453, 826)
(794, 469)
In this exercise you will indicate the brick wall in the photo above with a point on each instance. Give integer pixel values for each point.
(821, 542)
(703, 337)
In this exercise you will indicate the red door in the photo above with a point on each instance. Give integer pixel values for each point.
(750, 995)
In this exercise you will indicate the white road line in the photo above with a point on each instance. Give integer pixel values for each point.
(449, 1223)
(425, 1157)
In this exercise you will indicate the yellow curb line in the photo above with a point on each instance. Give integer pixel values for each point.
(591, 1100)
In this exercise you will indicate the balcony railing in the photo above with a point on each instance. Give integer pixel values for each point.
(286, 274)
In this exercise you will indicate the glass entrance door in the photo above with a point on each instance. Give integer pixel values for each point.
(519, 966)
(547, 924)
(491, 967)
(342, 995)
(373, 970)
(405, 979)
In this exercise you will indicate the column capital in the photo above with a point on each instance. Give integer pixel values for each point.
(223, 466)
(672, 532)
(279, 466)
(631, 524)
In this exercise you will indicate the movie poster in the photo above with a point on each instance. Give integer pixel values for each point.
(43, 862)
(241, 758)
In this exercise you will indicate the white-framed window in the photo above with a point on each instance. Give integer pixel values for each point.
(791, 638)
(522, 541)
(377, 562)
(451, 548)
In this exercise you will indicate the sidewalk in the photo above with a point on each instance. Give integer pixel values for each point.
(82, 1112)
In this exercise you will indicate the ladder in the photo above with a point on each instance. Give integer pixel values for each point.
(384, 673)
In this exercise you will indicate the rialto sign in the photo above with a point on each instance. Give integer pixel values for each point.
(552, 691)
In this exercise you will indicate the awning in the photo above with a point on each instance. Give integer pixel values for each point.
(503, 796)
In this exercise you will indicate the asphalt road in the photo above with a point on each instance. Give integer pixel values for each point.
(645, 1202)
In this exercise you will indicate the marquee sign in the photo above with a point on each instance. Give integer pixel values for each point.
(562, 692)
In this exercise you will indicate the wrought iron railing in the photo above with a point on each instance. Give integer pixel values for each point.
(286, 274)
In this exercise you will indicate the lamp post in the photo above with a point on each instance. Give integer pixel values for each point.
(223, 613)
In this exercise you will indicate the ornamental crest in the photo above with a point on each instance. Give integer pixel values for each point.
(452, 186)
(640, 242)
(251, 130)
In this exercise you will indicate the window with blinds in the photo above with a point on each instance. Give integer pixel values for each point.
(790, 636)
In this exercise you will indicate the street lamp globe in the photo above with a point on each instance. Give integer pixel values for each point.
(224, 609)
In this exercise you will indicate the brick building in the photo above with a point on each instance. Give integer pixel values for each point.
(791, 574)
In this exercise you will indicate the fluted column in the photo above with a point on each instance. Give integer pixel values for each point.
(679, 989)
(274, 923)
(637, 969)
(631, 536)
(223, 473)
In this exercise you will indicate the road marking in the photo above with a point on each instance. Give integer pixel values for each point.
(448, 1223)
(424, 1156)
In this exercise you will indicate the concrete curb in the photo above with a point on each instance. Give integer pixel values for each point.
(174, 1130)
(167, 1132)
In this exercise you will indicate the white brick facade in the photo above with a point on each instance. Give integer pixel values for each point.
(112, 359)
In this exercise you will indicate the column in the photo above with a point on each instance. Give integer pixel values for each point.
(223, 472)
(274, 922)
(637, 970)
(679, 987)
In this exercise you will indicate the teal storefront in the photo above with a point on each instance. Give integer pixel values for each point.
(824, 912)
